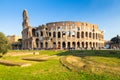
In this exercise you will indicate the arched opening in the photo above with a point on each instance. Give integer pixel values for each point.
(68, 45)
(68, 33)
(41, 33)
(63, 34)
(54, 44)
(93, 35)
(50, 34)
(41, 45)
(96, 45)
(54, 34)
(59, 45)
(73, 45)
(59, 35)
(86, 45)
(90, 35)
(63, 45)
(46, 44)
(96, 36)
(77, 28)
(73, 33)
(86, 34)
(58, 28)
(37, 34)
(78, 34)
(33, 32)
(82, 34)
(93, 45)
(82, 44)
(37, 42)
(90, 44)
(78, 44)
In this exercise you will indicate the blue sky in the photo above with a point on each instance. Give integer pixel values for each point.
(104, 13)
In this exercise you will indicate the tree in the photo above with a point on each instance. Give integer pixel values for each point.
(116, 40)
(4, 43)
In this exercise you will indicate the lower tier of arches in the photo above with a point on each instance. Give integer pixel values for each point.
(63, 45)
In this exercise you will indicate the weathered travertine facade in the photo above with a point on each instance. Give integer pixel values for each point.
(61, 35)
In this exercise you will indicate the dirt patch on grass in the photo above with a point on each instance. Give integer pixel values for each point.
(79, 63)
(21, 53)
(72, 62)
(45, 58)
(10, 63)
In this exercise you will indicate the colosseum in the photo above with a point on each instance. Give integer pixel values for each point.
(61, 35)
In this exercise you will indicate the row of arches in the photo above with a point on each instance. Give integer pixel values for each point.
(63, 45)
(73, 34)
(74, 45)
(88, 35)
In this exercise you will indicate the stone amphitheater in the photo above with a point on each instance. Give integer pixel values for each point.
(61, 35)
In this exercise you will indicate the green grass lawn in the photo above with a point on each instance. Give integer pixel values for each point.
(54, 70)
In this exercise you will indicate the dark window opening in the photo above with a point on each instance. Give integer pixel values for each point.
(82, 35)
(49, 33)
(73, 33)
(54, 34)
(78, 34)
(63, 45)
(33, 32)
(41, 33)
(63, 34)
(59, 35)
(86, 34)
(37, 35)
(90, 35)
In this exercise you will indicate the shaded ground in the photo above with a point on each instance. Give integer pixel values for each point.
(84, 53)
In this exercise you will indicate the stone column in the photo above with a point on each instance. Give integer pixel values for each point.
(66, 45)
(23, 44)
(28, 46)
(75, 45)
(38, 45)
(84, 45)
(44, 44)
(31, 44)
(71, 44)
(61, 45)
(87, 45)
(88, 35)
(80, 45)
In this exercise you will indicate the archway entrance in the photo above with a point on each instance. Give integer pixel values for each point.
(63, 45)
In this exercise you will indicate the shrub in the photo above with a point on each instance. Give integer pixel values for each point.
(4, 43)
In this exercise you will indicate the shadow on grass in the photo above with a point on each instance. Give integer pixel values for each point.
(84, 53)
(0, 56)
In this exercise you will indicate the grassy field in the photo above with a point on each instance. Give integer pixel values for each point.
(105, 65)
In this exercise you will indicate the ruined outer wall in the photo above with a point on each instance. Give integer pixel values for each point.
(70, 34)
